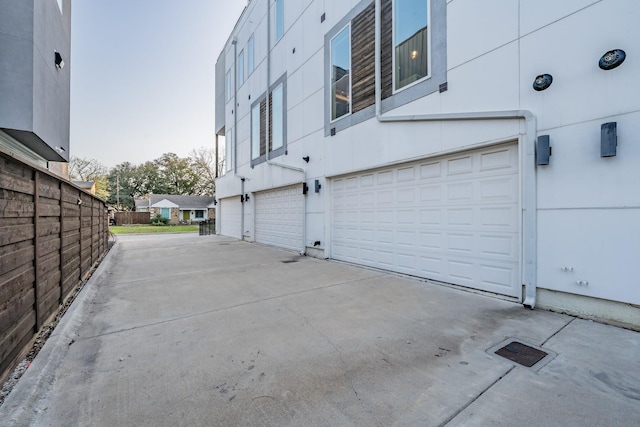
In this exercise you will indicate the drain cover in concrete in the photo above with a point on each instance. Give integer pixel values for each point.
(521, 353)
(526, 355)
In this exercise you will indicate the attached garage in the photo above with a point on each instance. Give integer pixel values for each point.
(230, 217)
(453, 219)
(279, 217)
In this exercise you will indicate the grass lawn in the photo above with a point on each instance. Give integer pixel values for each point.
(152, 229)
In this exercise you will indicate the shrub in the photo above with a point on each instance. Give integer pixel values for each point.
(159, 220)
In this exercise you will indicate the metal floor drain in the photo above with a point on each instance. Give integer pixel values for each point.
(521, 353)
(526, 355)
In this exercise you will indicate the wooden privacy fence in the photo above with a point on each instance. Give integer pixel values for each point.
(51, 234)
(126, 218)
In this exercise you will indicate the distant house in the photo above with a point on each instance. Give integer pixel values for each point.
(178, 209)
(89, 186)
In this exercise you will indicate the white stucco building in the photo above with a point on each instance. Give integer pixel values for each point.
(412, 135)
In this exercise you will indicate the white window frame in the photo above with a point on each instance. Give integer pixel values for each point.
(240, 60)
(348, 26)
(393, 48)
(278, 19)
(250, 55)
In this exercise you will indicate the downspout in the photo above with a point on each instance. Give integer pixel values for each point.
(234, 42)
(303, 250)
(529, 188)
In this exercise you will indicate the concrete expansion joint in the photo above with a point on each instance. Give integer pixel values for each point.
(558, 331)
(470, 402)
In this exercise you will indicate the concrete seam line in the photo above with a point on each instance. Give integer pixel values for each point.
(459, 411)
(217, 310)
(558, 331)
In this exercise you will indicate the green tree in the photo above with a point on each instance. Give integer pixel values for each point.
(90, 170)
(126, 183)
(177, 175)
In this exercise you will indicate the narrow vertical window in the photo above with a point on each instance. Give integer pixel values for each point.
(410, 41)
(279, 19)
(341, 74)
(255, 131)
(227, 86)
(250, 56)
(277, 118)
(228, 149)
(240, 68)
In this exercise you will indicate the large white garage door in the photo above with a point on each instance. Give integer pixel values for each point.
(279, 217)
(230, 212)
(453, 219)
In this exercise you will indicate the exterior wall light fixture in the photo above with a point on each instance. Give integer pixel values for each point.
(542, 82)
(58, 60)
(608, 139)
(543, 150)
(612, 59)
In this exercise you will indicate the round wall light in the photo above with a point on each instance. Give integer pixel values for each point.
(542, 82)
(612, 59)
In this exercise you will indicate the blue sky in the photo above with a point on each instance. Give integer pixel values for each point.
(143, 76)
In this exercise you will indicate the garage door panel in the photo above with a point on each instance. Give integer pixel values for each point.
(279, 217)
(231, 210)
(453, 219)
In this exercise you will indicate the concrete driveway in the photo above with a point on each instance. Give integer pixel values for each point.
(183, 330)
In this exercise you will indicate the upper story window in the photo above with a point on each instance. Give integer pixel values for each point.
(341, 74)
(279, 19)
(227, 85)
(250, 55)
(275, 131)
(241, 68)
(410, 42)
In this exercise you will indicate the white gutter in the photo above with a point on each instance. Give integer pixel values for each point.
(303, 251)
(529, 188)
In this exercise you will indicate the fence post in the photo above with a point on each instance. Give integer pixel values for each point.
(61, 284)
(36, 247)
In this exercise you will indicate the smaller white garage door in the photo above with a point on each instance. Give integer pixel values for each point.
(452, 218)
(230, 211)
(279, 217)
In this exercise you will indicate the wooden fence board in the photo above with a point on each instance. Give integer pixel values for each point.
(17, 233)
(15, 310)
(16, 331)
(7, 361)
(48, 243)
(17, 339)
(16, 183)
(12, 260)
(15, 281)
(16, 208)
